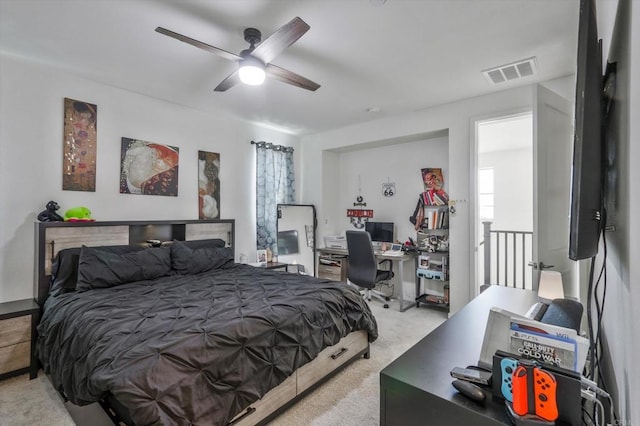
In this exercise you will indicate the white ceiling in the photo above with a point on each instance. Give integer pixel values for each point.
(400, 56)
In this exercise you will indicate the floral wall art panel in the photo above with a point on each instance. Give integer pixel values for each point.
(148, 168)
(80, 143)
(208, 185)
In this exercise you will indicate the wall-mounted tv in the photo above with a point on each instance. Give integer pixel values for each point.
(587, 169)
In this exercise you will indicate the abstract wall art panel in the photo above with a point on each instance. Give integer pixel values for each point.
(148, 168)
(80, 144)
(208, 185)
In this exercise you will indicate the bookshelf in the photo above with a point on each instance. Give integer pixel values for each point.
(433, 262)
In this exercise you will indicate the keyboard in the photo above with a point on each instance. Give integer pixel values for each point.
(392, 253)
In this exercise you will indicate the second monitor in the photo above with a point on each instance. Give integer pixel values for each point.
(380, 232)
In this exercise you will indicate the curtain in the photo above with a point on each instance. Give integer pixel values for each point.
(275, 184)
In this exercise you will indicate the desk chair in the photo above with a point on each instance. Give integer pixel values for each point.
(565, 313)
(363, 270)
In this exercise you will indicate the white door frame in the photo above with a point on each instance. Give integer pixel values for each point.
(473, 185)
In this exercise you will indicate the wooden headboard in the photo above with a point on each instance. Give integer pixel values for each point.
(51, 237)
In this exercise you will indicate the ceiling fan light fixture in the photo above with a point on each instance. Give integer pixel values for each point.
(251, 71)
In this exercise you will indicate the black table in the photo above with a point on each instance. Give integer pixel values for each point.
(415, 389)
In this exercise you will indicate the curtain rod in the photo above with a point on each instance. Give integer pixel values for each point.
(269, 145)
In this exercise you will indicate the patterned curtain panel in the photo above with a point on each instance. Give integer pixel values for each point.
(275, 184)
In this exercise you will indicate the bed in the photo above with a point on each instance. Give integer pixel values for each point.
(180, 334)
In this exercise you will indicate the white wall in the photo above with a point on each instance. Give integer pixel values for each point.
(319, 169)
(31, 120)
(369, 168)
(513, 187)
(619, 27)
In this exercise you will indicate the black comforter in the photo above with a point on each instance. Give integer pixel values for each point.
(194, 349)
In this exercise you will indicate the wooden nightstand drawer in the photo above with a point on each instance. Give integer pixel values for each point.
(15, 357)
(18, 320)
(15, 330)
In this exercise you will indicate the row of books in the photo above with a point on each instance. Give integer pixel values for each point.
(434, 198)
(436, 219)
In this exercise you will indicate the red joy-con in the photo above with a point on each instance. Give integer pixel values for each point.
(519, 389)
(545, 390)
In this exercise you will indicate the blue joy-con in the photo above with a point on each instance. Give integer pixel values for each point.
(508, 366)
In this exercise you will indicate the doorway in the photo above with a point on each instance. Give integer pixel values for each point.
(504, 200)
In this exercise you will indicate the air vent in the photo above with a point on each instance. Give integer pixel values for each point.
(510, 72)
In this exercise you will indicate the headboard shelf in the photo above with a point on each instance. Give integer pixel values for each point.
(51, 237)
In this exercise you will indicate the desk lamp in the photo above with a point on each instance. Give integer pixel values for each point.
(550, 286)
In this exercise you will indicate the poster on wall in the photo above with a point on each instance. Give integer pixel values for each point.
(148, 168)
(80, 143)
(208, 185)
(434, 193)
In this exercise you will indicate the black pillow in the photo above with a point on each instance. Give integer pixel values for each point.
(64, 269)
(100, 269)
(210, 243)
(186, 260)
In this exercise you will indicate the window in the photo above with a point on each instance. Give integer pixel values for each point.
(485, 193)
(274, 185)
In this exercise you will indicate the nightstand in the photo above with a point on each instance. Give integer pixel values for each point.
(18, 322)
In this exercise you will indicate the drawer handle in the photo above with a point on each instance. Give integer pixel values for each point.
(249, 411)
(339, 353)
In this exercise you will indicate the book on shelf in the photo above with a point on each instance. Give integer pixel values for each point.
(435, 198)
(436, 219)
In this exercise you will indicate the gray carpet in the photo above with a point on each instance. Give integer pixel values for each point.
(351, 397)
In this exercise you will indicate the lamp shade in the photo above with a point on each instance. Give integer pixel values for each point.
(550, 286)
(251, 71)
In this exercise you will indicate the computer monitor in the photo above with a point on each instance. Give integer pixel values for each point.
(381, 232)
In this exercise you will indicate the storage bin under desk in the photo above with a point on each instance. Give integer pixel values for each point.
(333, 267)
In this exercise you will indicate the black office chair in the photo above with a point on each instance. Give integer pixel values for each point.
(363, 270)
(565, 313)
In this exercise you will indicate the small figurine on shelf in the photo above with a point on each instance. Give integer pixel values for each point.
(50, 215)
(78, 214)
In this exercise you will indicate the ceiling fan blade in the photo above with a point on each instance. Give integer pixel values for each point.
(204, 46)
(280, 40)
(229, 82)
(292, 78)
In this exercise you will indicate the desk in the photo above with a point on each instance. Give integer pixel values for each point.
(398, 260)
(415, 389)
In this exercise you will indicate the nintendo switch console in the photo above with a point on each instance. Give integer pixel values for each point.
(507, 368)
(534, 392)
(567, 387)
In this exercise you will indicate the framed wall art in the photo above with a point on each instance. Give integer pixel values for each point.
(208, 185)
(80, 144)
(148, 168)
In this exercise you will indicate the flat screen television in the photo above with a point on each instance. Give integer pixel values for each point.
(587, 168)
(288, 242)
(380, 231)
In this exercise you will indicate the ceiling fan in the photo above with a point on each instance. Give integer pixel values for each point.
(255, 62)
